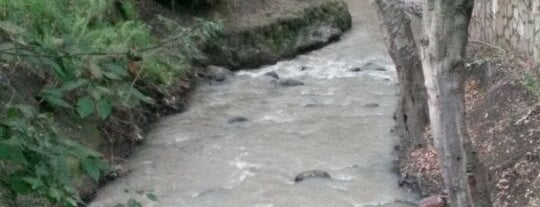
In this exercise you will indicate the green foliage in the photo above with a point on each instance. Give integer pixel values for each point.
(131, 202)
(94, 53)
(190, 4)
(35, 160)
(97, 59)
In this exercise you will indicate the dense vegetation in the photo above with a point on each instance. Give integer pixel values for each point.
(92, 54)
(190, 4)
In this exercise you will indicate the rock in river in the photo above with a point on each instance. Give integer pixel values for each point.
(289, 82)
(311, 174)
(372, 105)
(217, 73)
(237, 119)
(369, 66)
(272, 74)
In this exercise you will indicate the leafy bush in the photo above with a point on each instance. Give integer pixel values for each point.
(35, 160)
(93, 52)
(190, 4)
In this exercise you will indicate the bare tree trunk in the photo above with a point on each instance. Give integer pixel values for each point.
(412, 112)
(446, 70)
(446, 24)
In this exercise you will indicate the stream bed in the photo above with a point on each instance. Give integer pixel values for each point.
(244, 140)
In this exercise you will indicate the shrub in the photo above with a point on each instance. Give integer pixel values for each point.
(189, 4)
(93, 53)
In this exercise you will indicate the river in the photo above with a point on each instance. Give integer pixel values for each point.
(339, 121)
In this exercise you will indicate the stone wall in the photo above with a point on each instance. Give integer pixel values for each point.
(510, 24)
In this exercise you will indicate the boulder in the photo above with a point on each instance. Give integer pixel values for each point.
(217, 73)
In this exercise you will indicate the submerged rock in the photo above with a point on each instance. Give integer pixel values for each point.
(272, 74)
(372, 66)
(372, 105)
(289, 82)
(309, 105)
(369, 66)
(237, 119)
(311, 174)
(355, 69)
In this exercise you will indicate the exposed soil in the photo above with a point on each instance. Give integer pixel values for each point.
(504, 124)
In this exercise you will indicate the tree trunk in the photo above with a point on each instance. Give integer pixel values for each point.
(443, 47)
(412, 113)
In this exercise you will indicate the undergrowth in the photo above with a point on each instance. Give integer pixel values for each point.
(531, 81)
(92, 53)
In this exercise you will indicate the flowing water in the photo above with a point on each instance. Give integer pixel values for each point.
(339, 121)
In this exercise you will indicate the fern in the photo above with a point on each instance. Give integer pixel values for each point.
(94, 51)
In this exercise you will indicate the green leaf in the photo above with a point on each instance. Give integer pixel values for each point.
(3, 132)
(133, 203)
(60, 72)
(5, 151)
(91, 166)
(57, 101)
(114, 72)
(137, 94)
(152, 197)
(26, 110)
(34, 182)
(12, 152)
(80, 150)
(70, 85)
(55, 194)
(104, 108)
(95, 70)
(19, 186)
(85, 106)
(11, 28)
(126, 92)
(12, 112)
(72, 202)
